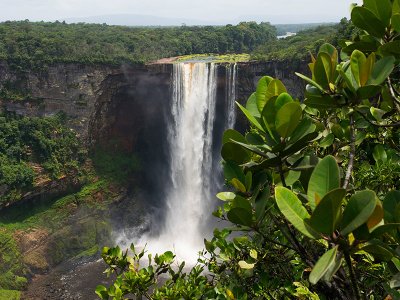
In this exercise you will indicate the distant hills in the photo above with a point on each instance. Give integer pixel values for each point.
(137, 20)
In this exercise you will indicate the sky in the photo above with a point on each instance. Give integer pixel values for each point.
(208, 11)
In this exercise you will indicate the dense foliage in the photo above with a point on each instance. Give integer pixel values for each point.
(282, 29)
(298, 47)
(313, 188)
(33, 149)
(27, 44)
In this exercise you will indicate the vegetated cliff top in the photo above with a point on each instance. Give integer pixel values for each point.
(299, 46)
(207, 57)
(34, 44)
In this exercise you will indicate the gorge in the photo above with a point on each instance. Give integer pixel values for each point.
(131, 110)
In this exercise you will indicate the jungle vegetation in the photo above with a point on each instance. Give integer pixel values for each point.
(298, 47)
(34, 150)
(27, 44)
(312, 191)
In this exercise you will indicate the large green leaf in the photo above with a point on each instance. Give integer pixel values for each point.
(293, 210)
(327, 141)
(367, 20)
(231, 134)
(242, 203)
(240, 216)
(391, 203)
(226, 196)
(333, 268)
(238, 185)
(396, 22)
(357, 62)
(251, 105)
(323, 264)
(382, 70)
(326, 215)
(384, 229)
(233, 152)
(232, 170)
(254, 139)
(275, 88)
(320, 102)
(253, 120)
(305, 127)
(287, 118)
(323, 70)
(261, 92)
(324, 178)
(310, 81)
(269, 114)
(381, 8)
(261, 203)
(368, 91)
(391, 48)
(267, 163)
(396, 7)
(379, 250)
(377, 216)
(365, 46)
(332, 51)
(379, 154)
(300, 144)
(357, 212)
(252, 148)
(282, 100)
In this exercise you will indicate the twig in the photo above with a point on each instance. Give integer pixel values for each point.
(353, 278)
(352, 152)
(393, 92)
(376, 124)
(272, 241)
(282, 175)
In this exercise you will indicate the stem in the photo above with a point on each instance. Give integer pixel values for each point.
(282, 175)
(394, 94)
(272, 241)
(352, 152)
(354, 283)
(377, 124)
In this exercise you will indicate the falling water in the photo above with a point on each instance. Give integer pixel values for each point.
(190, 139)
(231, 73)
(193, 171)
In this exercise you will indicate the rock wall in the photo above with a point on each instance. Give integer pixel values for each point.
(113, 105)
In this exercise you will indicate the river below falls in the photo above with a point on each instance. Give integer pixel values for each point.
(68, 281)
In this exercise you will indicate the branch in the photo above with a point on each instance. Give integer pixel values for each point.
(394, 93)
(353, 278)
(282, 175)
(352, 152)
(377, 124)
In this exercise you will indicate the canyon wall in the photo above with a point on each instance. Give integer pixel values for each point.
(112, 106)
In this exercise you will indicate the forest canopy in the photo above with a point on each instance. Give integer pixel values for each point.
(32, 44)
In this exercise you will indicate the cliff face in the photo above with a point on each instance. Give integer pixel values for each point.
(71, 88)
(250, 73)
(116, 106)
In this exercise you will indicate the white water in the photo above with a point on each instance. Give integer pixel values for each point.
(231, 73)
(190, 135)
(190, 139)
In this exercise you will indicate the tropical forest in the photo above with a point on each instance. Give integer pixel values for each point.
(252, 160)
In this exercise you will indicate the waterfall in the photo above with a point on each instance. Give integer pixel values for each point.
(231, 74)
(194, 157)
(190, 136)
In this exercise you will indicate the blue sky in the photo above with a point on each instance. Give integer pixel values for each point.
(210, 11)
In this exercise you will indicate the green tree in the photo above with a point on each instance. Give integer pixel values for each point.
(306, 225)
